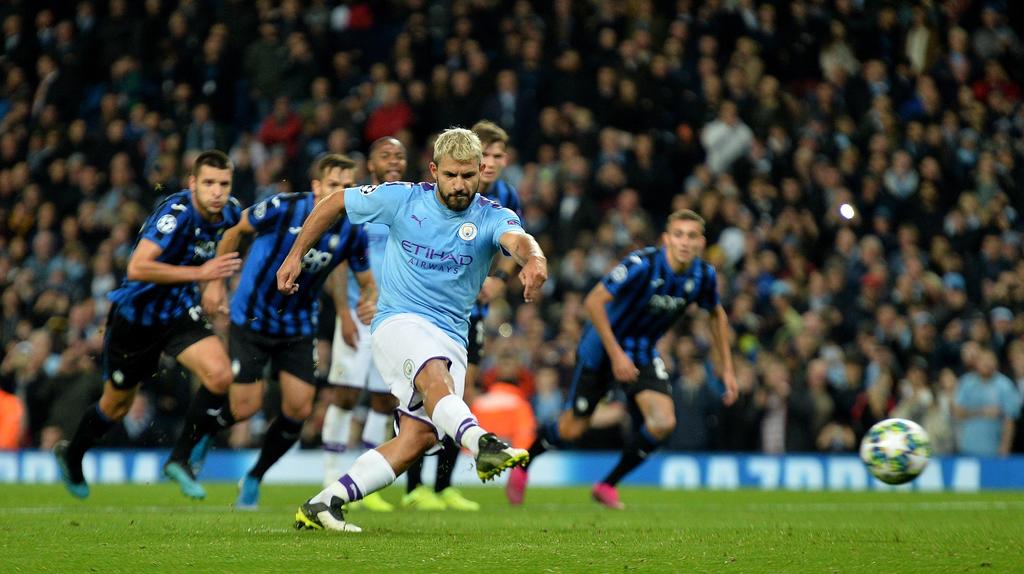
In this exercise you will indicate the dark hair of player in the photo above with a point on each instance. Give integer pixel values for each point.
(333, 161)
(213, 158)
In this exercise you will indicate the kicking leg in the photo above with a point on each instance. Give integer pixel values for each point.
(450, 414)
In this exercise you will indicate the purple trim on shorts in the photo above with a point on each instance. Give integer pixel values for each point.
(335, 447)
(415, 392)
(402, 412)
(369, 445)
(424, 364)
(354, 493)
(463, 427)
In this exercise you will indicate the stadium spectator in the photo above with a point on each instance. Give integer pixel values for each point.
(12, 413)
(987, 407)
(910, 115)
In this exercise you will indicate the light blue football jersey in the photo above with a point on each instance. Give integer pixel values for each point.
(436, 259)
(377, 240)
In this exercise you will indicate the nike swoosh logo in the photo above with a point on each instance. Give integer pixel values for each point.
(214, 412)
(294, 230)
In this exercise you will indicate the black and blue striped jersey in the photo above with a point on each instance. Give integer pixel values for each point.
(185, 238)
(506, 196)
(648, 299)
(257, 305)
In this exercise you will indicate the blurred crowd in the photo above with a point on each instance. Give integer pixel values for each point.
(860, 165)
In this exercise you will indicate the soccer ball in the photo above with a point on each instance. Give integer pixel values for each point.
(896, 450)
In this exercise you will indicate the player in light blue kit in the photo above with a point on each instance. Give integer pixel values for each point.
(443, 237)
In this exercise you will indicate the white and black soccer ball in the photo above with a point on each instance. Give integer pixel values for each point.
(896, 451)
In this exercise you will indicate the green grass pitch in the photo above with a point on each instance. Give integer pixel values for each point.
(154, 529)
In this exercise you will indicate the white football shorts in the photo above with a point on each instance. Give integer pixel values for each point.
(402, 345)
(354, 367)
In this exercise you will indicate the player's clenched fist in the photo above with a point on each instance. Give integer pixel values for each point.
(533, 275)
(220, 267)
(287, 274)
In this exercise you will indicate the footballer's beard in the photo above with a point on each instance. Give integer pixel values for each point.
(458, 201)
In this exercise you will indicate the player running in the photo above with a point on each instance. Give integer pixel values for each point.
(630, 309)
(444, 496)
(157, 309)
(267, 326)
(439, 251)
(352, 368)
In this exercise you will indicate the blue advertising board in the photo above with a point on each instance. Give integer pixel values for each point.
(665, 470)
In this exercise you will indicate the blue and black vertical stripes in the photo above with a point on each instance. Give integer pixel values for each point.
(649, 297)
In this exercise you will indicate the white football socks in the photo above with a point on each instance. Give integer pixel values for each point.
(452, 416)
(335, 433)
(375, 430)
(369, 473)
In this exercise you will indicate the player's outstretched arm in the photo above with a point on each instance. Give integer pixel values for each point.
(215, 299)
(527, 253)
(720, 335)
(143, 266)
(596, 304)
(319, 221)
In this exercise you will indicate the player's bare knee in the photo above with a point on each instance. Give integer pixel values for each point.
(661, 425)
(217, 380)
(572, 428)
(297, 411)
(118, 410)
(243, 409)
(434, 378)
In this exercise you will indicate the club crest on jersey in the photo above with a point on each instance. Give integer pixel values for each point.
(166, 224)
(407, 369)
(260, 210)
(688, 286)
(619, 273)
(467, 232)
